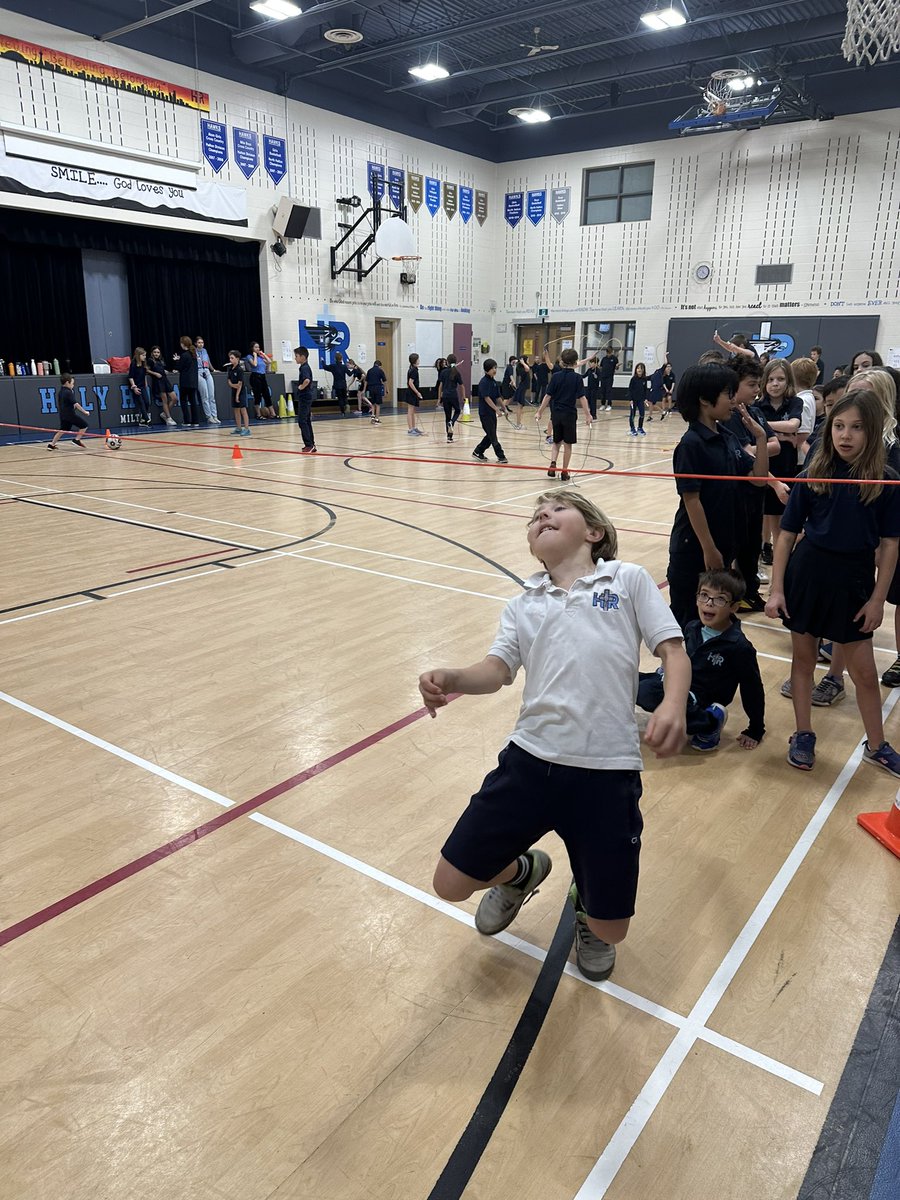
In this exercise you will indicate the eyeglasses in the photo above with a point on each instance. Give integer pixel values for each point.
(715, 601)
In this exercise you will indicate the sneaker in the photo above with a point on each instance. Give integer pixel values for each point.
(551, 473)
(245, 433)
(829, 690)
(752, 604)
(787, 690)
(802, 750)
(564, 476)
(51, 446)
(212, 421)
(78, 442)
(594, 958)
(307, 450)
(519, 427)
(499, 906)
(766, 556)
(885, 757)
(503, 461)
(236, 431)
(762, 577)
(891, 677)
(710, 741)
(549, 440)
(642, 433)
(169, 421)
(632, 432)
(480, 457)
(374, 422)
(825, 651)
(609, 408)
(412, 432)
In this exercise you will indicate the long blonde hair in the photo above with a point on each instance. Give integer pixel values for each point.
(873, 458)
(874, 379)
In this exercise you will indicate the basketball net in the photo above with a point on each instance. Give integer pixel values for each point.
(873, 31)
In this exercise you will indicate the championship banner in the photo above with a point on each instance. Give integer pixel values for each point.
(208, 201)
(82, 68)
(246, 150)
(481, 207)
(465, 204)
(536, 206)
(560, 203)
(513, 208)
(275, 158)
(214, 143)
(432, 195)
(415, 190)
(375, 180)
(450, 200)
(395, 186)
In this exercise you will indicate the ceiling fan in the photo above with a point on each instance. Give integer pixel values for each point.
(535, 47)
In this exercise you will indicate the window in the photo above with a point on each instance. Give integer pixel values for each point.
(613, 194)
(598, 335)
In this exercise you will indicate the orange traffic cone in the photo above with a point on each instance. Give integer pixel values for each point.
(236, 453)
(884, 826)
(108, 434)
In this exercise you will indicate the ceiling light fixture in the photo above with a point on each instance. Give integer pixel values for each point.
(665, 15)
(276, 10)
(531, 116)
(429, 71)
(742, 83)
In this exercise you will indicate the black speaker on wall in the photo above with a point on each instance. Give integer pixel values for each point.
(295, 220)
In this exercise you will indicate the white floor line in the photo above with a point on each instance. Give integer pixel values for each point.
(443, 587)
(781, 629)
(622, 1142)
(189, 516)
(126, 755)
(146, 587)
(426, 562)
(45, 612)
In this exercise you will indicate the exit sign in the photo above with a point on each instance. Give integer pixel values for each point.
(542, 312)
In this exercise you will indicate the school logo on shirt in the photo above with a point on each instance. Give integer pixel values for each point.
(605, 600)
(715, 660)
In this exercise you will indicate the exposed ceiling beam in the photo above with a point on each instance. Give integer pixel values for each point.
(160, 16)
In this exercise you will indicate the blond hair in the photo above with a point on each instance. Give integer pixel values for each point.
(874, 379)
(595, 519)
(806, 372)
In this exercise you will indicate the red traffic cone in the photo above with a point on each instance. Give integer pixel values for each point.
(884, 826)
(236, 454)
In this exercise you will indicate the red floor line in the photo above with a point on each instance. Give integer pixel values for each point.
(67, 903)
(173, 561)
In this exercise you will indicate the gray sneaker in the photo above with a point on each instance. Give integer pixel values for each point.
(828, 691)
(594, 958)
(500, 905)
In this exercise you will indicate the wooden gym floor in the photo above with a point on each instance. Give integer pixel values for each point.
(224, 974)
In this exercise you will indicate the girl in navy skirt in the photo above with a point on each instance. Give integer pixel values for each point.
(827, 588)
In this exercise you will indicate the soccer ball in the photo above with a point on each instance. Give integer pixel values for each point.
(114, 442)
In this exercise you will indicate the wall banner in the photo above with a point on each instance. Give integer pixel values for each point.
(560, 203)
(481, 207)
(513, 206)
(375, 180)
(415, 191)
(82, 68)
(465, 204)
(395, 182)
(450, 200)
(432, 195)
(208, 201)
(275, 158)
(246, 150)
(214, 143)
(536, 207)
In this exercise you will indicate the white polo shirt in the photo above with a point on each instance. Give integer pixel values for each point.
(581, 653)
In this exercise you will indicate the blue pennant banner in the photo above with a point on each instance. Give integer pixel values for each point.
(275, 158)
(246, 150)
(214, 143)
(513, 206)
(465, 203)
(432, 195)
(536, 207)
(375, 180)
(395, 186)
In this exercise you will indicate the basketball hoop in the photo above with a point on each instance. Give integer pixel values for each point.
(873, 31)
(413, 258)
(719, 91)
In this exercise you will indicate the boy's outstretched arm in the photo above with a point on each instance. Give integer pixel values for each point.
(438, 685)
(665, 731)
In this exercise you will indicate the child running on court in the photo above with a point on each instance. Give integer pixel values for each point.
(722, 660)
(826, 585)
(489, 405)
(572, 763)
(564, 393)
(71, 414)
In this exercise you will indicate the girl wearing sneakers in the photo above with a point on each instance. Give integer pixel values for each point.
(561, 770)
(637, 399)
(449, 383)
(843, 524)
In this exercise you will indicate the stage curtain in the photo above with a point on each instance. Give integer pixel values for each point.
(43, 313)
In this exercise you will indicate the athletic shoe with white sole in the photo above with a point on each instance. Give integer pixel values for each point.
(594, 958)
(829, 690)
(499, 906)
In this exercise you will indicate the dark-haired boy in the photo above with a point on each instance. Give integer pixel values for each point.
(70, 414)
(564, 393)
(489, 405)
(722, 660)
(305, 392)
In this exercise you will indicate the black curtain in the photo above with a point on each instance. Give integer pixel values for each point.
(178, 283)
(43, 312)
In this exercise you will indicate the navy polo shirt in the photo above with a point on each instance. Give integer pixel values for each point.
(592, 379)
(608, 365)
(541, 373)
(305, 372)
(375, 379)
(740, 430)
(338, 372)
(785, 461)
(450, 380)
(704, 451)
(412, 378)
(840, 522)
(564, 389)
(487, 386)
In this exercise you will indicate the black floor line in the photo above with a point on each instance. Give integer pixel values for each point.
(845, 1161)
(461, 1164)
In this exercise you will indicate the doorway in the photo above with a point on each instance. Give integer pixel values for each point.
(384, 352)
(555, 336)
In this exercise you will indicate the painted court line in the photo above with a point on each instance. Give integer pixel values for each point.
(426, 562)
(635, 1120)
(45, 612)
(177, 513)
(443, 587)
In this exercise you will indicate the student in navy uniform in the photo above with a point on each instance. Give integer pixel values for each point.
(564, 393)
(160, 388)
(375, 381)
(637, 399)
(137, 381)
(489, 405)
(238, 389)
(507, 383)
(816, 355)
(356, 379)
(609, 364)
(540, 377)
(71, 414)
(306, 391)
(592, 383)
(656, 388)
(338, 372)
(783, 410)
(722, 660)
(413, 396)
(188, 383)
(449, 383)
(704, 534)
(668, 389)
